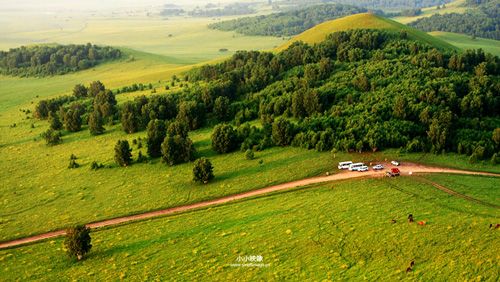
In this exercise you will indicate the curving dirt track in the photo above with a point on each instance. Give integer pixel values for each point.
(406, 169)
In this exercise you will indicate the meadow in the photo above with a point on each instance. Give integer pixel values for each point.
(456, 6)
(334, 231)
(463, 41)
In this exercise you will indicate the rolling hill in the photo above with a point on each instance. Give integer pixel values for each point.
(362, 21)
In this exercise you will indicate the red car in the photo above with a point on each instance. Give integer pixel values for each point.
(394, 172)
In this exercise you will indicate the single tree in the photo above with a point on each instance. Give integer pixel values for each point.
(55, 122)
(95, 123)
(156, 135)
(203, 170)
(80, 91)
(123, 155)
(224, 139)
(78, 241)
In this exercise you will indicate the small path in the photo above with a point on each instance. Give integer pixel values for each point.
(406, 169)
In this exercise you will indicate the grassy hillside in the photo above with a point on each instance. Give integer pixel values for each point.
(452, 7)
(463, 41)
(337, 231)
(362, 21)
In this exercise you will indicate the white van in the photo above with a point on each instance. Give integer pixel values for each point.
(344, 165)
(356, 166)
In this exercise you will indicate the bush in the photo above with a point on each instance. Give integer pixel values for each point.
(203, 170)
(123, 155)
(95, 165)
(52, 137)
(224, 139)
(176, 149)
(77, 242)
(249, 154)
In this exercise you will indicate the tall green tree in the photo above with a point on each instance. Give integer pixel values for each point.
(123, 153)
(96, 123)
(282, 132)
(203, 170)
(80, 91)
(177, 149)
(95, 87)
(224, 139)
(54, 121)
(156, 134)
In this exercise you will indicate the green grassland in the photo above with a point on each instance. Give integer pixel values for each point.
(336, 231)
(456, 6)
(363, 21)
(463, 41)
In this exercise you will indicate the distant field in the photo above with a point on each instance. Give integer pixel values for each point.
(362, 21)
(188, 40)
(463, 41)
(337, 231)
(452, 7)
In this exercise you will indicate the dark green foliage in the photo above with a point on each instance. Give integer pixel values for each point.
(249, 154)
(232, 9)
(156, 135)
(78, 241)
(484, 21)
(411, 12)
(52, 137)
(287, 23)
(80, 91)
(95, 88)
(177, 128)
(221, 108)
(224, 139)
(105, 103)
(130, 117)
(123, 155)
(95, 165)
(53, 60)
(177, 149)
(72, 117)
(496, 136)
(54, 121)
(203, 170)
(283, 132)
(495, 159)
(96, 123)
(141, 158)
(192, 114)
(44, 107)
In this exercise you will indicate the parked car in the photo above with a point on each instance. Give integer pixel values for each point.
(396, 163)
(378, 167)
(344, 165)
(356, 166)
(363, 168)
(393, 172)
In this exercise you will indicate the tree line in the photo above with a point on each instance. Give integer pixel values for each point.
(45, 60)
(287, 23)
(482, 21)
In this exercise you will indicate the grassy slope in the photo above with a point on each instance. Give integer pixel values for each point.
(452, 7)
(362, 21)
(338, 231)
(463, 41)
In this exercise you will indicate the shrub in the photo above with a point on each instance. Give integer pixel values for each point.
(77, 242)
(224, 139)
(203, 170)
(249, 154)
(52, 137)
(123, 155)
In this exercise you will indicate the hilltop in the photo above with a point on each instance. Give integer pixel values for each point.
(362, 21)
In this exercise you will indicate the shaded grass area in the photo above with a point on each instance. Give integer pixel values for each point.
(334, 231)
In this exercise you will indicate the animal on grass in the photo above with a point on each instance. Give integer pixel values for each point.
(410, 218)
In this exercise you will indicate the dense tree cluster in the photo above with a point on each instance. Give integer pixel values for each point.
(287, 23)
(233, 9)
(483, 21)
(365, 90)
(53, 60)
(369, 4)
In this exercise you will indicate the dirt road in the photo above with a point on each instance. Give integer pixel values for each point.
(407, 169)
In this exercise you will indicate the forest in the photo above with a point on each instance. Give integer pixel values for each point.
(234, 9)
(360, 90)
(483, 21)
(389, 5)
(287, 23)
(46, 60)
